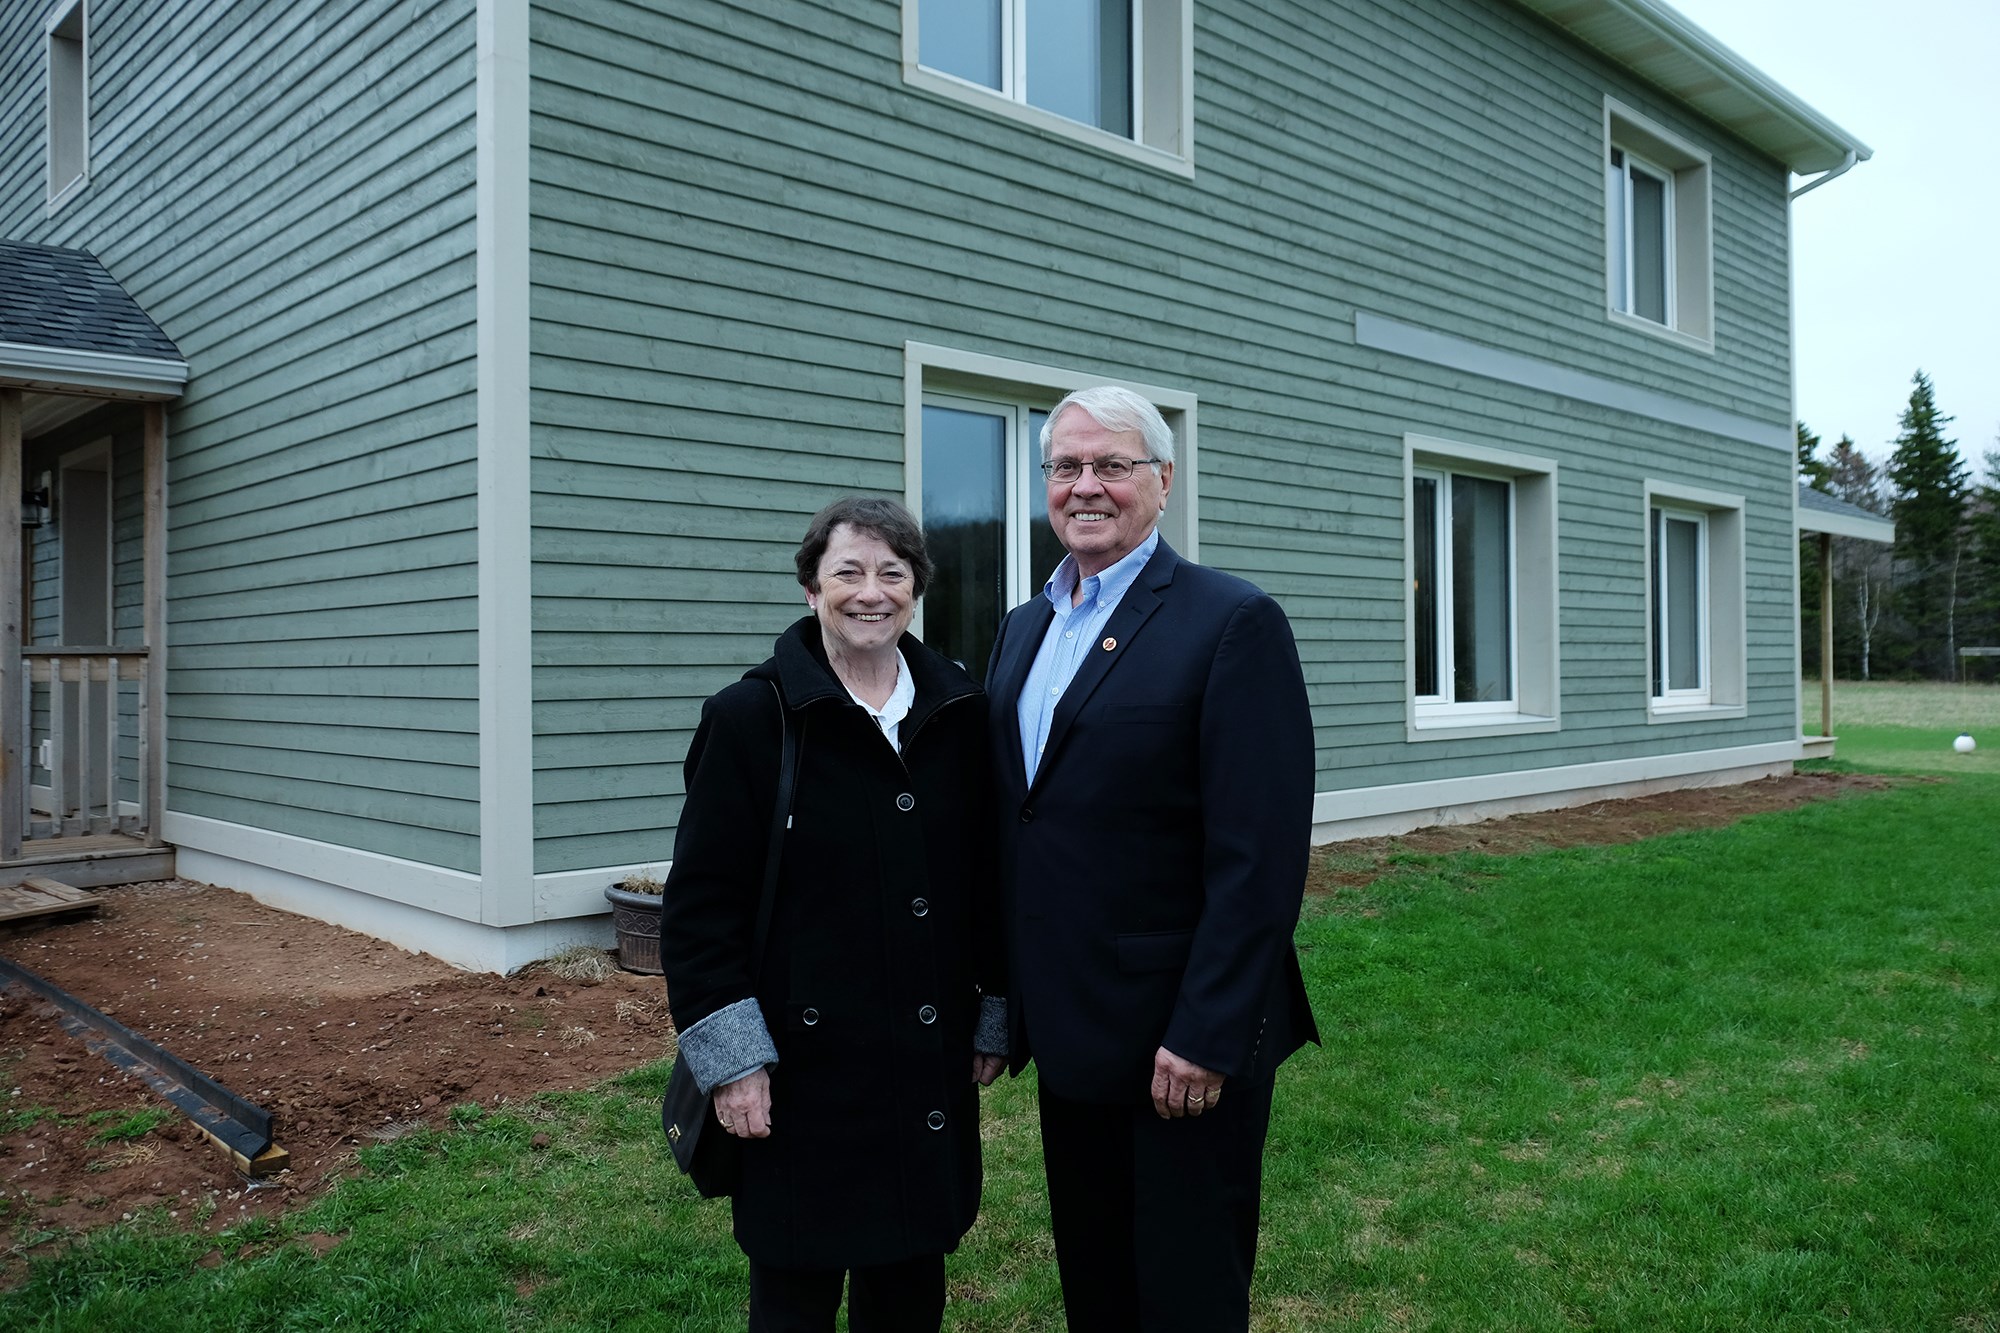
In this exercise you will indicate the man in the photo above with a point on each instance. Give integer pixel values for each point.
(1154, 756)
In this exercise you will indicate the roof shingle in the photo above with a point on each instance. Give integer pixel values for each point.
(65, 299)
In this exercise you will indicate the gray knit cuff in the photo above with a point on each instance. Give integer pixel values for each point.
(728, 1044)
(990, 1037)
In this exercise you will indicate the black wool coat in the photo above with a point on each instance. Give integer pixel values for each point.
(884, 935)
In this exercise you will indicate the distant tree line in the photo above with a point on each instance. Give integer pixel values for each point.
(1906, 611)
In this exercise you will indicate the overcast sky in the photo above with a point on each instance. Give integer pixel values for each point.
(1897, 262)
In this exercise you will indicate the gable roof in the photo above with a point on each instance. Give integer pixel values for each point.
(66, 325)
(1657, 43)
(1819, 512)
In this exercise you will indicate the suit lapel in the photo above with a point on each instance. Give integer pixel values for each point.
(1141, 600)
(1021, 640)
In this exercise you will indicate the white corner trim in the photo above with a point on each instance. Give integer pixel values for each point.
(1455, 353)
(1428, 802)
(433, 889)
(462, 943)
(71, 368)
(506, 641)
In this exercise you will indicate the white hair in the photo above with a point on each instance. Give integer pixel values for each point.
(1117, 410)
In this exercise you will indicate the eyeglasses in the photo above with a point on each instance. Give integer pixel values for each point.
(1066, 470)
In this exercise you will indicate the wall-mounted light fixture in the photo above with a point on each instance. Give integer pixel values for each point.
(35, 511)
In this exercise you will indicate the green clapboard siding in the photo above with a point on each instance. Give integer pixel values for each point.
(740, 215)
(288, 191)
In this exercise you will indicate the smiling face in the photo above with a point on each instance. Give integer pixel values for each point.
(1103, 522)
(866, 594)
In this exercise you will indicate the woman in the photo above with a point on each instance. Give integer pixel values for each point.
(847, 1064)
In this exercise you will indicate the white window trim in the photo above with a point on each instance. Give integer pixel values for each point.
(1725, 646)
(60, 193)
(1670, 699)
(937, 374)
(1535, 649)
(1622, 238)
(1162, 105)
(1691, 227)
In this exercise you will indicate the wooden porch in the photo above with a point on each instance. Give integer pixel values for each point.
(82, 727)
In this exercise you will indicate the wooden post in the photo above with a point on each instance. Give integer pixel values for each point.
(13, 716)
(153, 703)
(1826, 634)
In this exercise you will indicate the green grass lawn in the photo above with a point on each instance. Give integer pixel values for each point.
(1746, 1078)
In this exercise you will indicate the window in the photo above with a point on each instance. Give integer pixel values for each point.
(69, 101)
(982, 517)
(1481, 560)
(1658, 249)
(973, 459)
(1694, 600)
(1113, 72)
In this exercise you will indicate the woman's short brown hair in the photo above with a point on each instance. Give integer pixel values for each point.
(885, 520)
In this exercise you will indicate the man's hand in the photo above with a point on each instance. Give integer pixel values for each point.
(986, 1068)
(744, 1107)
(1181, 1087)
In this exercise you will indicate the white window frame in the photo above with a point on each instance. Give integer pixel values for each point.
(1661, 575)
(1533, 649)
(66, 72)
(949, 377)
(1721, 602)
(1162, 84)
(1689, 241)
(1624, 241)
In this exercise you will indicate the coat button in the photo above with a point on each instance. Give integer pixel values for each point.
(927, 1015)
(935, 1120)
(1027, 815)
(809, 1017)
(906, 802)
(920, 907)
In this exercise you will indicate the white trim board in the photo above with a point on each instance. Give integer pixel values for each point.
(1444, 349)
(1364, 812)
(68, 370)
(506, 638)
(435, 890)
(467, 944)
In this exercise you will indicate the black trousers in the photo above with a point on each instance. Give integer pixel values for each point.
(1156, 1220)
(907, 1297)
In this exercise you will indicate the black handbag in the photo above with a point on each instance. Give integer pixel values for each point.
(714, 1160)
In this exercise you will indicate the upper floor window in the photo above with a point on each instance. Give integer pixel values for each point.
(1112, 72)
(1659, 253)
(69, 101)
(1482, 589)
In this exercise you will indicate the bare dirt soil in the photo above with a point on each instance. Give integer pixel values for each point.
(346, 1039)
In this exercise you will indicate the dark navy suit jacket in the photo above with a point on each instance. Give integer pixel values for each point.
(1152, 873)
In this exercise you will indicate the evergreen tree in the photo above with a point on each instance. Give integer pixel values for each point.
(1931, 485)
(1853, 478)
(1812, 470)
(1983, 562)
(1813, 473)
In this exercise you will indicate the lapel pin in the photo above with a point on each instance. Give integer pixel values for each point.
(1109, 643)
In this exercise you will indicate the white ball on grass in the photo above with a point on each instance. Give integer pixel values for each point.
(1965, 744)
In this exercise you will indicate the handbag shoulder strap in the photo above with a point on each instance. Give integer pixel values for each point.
(781, 820)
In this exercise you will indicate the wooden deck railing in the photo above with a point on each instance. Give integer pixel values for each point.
(96, 700)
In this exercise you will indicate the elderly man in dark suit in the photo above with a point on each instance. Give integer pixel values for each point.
(1155, 770)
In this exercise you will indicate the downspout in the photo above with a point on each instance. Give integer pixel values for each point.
(1824, 177)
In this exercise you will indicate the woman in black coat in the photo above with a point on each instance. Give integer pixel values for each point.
(848, 1064)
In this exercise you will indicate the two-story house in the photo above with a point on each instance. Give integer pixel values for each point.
(479, 362)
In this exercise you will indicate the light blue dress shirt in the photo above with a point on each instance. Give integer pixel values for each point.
(1071, 635)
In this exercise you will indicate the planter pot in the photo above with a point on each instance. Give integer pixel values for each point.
(636, 918)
